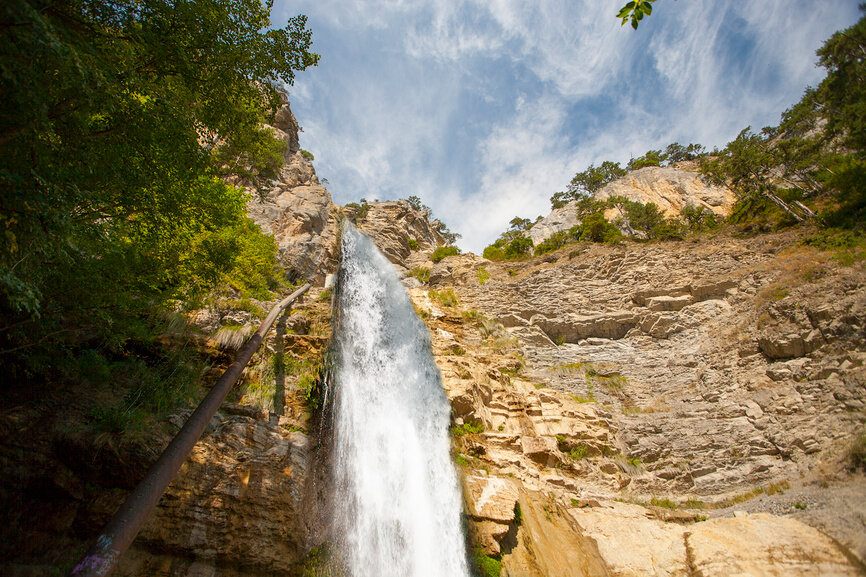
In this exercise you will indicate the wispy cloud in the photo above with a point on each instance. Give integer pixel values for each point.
(486, 108)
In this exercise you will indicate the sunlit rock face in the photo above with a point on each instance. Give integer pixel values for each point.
(393, 224)
(671, 189)
(297, 209)
(625, 393)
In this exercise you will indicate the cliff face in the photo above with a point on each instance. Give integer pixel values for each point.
(622, 387)
(670, 189)
(297, 210)
(394, 226)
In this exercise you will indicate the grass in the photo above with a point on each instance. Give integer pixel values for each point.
(484, 565)
(467, 429)
(771, 489)
(483, 275)
(664, 503)
(421, 273)
(232, 336)
(446, 297)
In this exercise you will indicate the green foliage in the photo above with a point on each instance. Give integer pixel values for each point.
(558, 240)
(651, 158)
(467, 429)
(596, 228)
(483, 275)
(511, 245)
(518, 223)
(485, 566)
(444, 251)
(415, 202)
(413, 244)
(664, 503)
(308, 156)
(817, 151)
(676, 152)
(643, 217)
(118, 123)
(422, 274)
(634, 11)
(699, 219)
(446, 297)
(518, 513)
(586, 183)
(358, 212)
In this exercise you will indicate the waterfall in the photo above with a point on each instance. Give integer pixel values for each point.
(397, 500)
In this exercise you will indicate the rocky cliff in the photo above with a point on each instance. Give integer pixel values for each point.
(297, 210)
(679, 408)
(670, 188)
(623, 395)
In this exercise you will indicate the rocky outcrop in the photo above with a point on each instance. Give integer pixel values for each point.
(686, 379)
(297, 210)
(238, 506)
(559, 219)
(671, 189)
(399, 230)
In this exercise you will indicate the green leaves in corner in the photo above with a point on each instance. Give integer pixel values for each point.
(635, 11)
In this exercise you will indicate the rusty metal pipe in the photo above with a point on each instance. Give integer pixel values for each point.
(118, 535)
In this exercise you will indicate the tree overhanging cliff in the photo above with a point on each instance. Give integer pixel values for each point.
(119, 123)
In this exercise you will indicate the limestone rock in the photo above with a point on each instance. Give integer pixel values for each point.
(491, 498)
(391, 225)
(670, 189)
(763, 545)
(238, 500)
(559, 219)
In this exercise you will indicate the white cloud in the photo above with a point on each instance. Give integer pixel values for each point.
(486, 108)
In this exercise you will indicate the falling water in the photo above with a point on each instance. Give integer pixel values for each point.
(398, 501)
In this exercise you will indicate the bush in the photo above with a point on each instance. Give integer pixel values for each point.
(308, 156)
(698, 218)
(596, 228)
(413, 244)
(558, 240)
(511, 245)
(643, 217)
(444, 251)
(483, 275)
(445, 298)
(422, 274)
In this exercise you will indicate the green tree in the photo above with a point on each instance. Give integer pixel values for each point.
(676, 152)
(518, 223)
(588, 182)
(651, 158)
(119, 122)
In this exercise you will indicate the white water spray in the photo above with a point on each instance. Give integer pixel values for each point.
(397, 498)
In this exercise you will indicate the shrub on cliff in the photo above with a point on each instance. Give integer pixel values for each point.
(443, 251)
(115, 139)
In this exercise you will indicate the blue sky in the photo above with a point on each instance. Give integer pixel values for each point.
(484, 109)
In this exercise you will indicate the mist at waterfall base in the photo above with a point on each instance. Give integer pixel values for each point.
(398, 504)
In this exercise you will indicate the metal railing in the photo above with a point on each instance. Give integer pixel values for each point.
(119, 533)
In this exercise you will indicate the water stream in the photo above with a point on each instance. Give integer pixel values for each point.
(398, 504)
